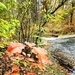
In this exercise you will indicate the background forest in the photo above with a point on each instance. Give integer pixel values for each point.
(28, 20)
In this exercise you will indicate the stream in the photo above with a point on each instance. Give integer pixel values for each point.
(63, 49)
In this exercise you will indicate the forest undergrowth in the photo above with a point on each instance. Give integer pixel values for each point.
(23, 59)
(28, 59)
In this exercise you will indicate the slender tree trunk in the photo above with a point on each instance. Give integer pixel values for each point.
(34, 12)
(54, 3)
(71, 14)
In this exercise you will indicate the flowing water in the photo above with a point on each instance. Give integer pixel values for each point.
(63, 49)
(66, 45)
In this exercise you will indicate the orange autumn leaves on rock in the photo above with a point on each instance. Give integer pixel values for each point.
(29, 52)
(41, 54)
(15, 47)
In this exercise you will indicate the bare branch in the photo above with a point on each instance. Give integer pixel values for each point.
(61, 4)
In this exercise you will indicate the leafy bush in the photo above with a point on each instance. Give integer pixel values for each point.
(2, 6)
(7, 29)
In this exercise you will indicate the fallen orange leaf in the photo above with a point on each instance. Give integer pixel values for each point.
(15, 47)
(30, 59)
(15, 73)
(38, 65)
(41, 54)
(15, 68)
(31, 73)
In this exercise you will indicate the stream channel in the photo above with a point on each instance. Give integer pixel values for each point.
(63, 49)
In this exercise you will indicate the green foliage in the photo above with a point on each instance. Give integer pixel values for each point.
(7, 29)
(18, 62)
(2, 7)
(32, 15)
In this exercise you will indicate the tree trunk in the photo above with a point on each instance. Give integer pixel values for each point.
(34, 12)
(71, 14)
